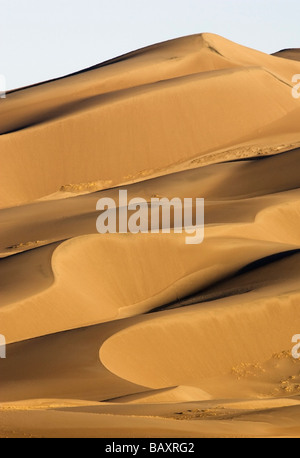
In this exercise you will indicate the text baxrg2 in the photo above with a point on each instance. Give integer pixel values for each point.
(172, 447)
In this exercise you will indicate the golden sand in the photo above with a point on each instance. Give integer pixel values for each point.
(142, 335)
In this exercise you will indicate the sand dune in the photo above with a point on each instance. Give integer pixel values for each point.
(167, 395)
(292, 54)
(96, 120)
(142, 335)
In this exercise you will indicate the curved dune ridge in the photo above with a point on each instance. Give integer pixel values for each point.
(156, 337)
(76, 129)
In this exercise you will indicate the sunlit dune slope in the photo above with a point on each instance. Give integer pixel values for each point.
(213, 95)
(81, 281)
(138, 335)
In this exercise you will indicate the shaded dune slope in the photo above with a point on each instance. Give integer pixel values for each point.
(238, 222)
(93, 118)
(291, 54)
(124, 334)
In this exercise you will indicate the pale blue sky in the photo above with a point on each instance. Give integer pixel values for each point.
(43, 39)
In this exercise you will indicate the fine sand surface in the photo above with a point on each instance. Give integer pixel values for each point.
(124, 335)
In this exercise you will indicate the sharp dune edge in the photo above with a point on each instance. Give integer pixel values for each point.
(142, 335)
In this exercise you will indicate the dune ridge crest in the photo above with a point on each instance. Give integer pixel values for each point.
(138, 335)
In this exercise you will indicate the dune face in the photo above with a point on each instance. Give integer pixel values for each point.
(189, 92)
(138, 335)
(292, 54)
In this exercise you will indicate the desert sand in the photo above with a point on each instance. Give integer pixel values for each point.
(124, 335)
(292, 54)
